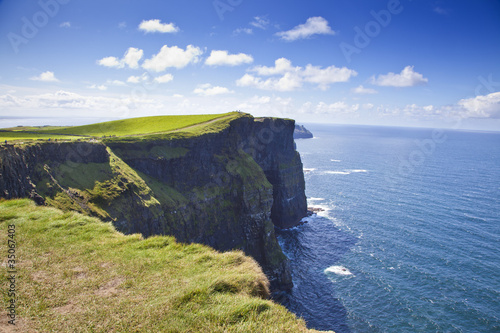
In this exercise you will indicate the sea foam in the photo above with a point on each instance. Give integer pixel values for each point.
(339, 270)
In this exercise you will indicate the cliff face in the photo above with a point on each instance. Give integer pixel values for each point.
(302, 133)
(223, 189)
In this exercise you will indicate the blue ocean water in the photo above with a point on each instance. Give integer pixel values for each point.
(409, 239)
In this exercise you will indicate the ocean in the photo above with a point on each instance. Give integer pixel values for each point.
(409, 236)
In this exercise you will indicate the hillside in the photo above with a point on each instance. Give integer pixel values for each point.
(138, 127)
(78, 274)
(226, 182)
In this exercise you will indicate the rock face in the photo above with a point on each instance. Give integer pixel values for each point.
(302, 133)
(226, 189)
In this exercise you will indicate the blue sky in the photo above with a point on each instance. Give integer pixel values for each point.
(398, 63)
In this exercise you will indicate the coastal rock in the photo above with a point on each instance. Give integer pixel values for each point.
(226, 189)
(301, 132)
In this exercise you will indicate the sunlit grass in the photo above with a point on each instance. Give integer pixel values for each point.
(78, 274)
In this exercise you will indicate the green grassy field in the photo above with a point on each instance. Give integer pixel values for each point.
(132, 127)
(78, 274)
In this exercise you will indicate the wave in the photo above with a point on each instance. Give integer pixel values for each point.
(339, 270)
(309, 169)
(345, 172)
(337, 172)
(315, 199)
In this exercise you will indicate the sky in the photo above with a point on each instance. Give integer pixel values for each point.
(413, 63)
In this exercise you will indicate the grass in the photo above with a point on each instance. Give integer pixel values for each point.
(30, 136)
(78, 274)
(152, 127)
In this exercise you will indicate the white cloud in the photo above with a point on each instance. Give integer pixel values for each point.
(67, 104)
(131, 59)
(281, 66)
(136, 79)
(484, 107)
(407, 78)
(313, 26)
(101, 87)
(292, 78)
(117, 83)
(287, 82)
(146, 77)
(156, 26)
(47, 76)
(335, 108)
(221, 58)
(164, 78)
(260, 22)
(326, 76)
(363, 90)
(122, 25)
(268, 106)
(109, 62)
(487, 106)
(65, 25)
(172, 57)
(239, 31)
(208, 90)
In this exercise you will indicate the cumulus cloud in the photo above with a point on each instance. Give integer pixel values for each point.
(324, 77)
(281, 66)
(138, 79)
(487, 106)
(313, 26)
(131, 59)
(223, 58)
(156, 26)
(362, 90)
(172, 57)
(65, 25)
(208, 90)
(47, 76)
(287, 82)
(407, 78)
(164, 78)
(110, 62)
(483, 107)
(292, 77)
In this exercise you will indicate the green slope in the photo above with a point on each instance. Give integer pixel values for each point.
(78, 274)
(143, 126)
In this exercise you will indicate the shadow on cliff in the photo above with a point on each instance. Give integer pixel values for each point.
(312, 248)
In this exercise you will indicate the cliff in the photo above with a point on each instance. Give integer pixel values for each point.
(76, 273)
(227, 187)
(302, 133)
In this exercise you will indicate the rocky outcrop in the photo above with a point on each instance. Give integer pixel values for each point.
(302, 133)
(226, 189)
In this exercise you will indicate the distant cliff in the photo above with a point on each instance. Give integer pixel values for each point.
(224, 188)
(301, 132)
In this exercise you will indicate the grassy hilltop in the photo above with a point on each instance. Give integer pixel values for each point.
(132, 128)
(76, 273)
